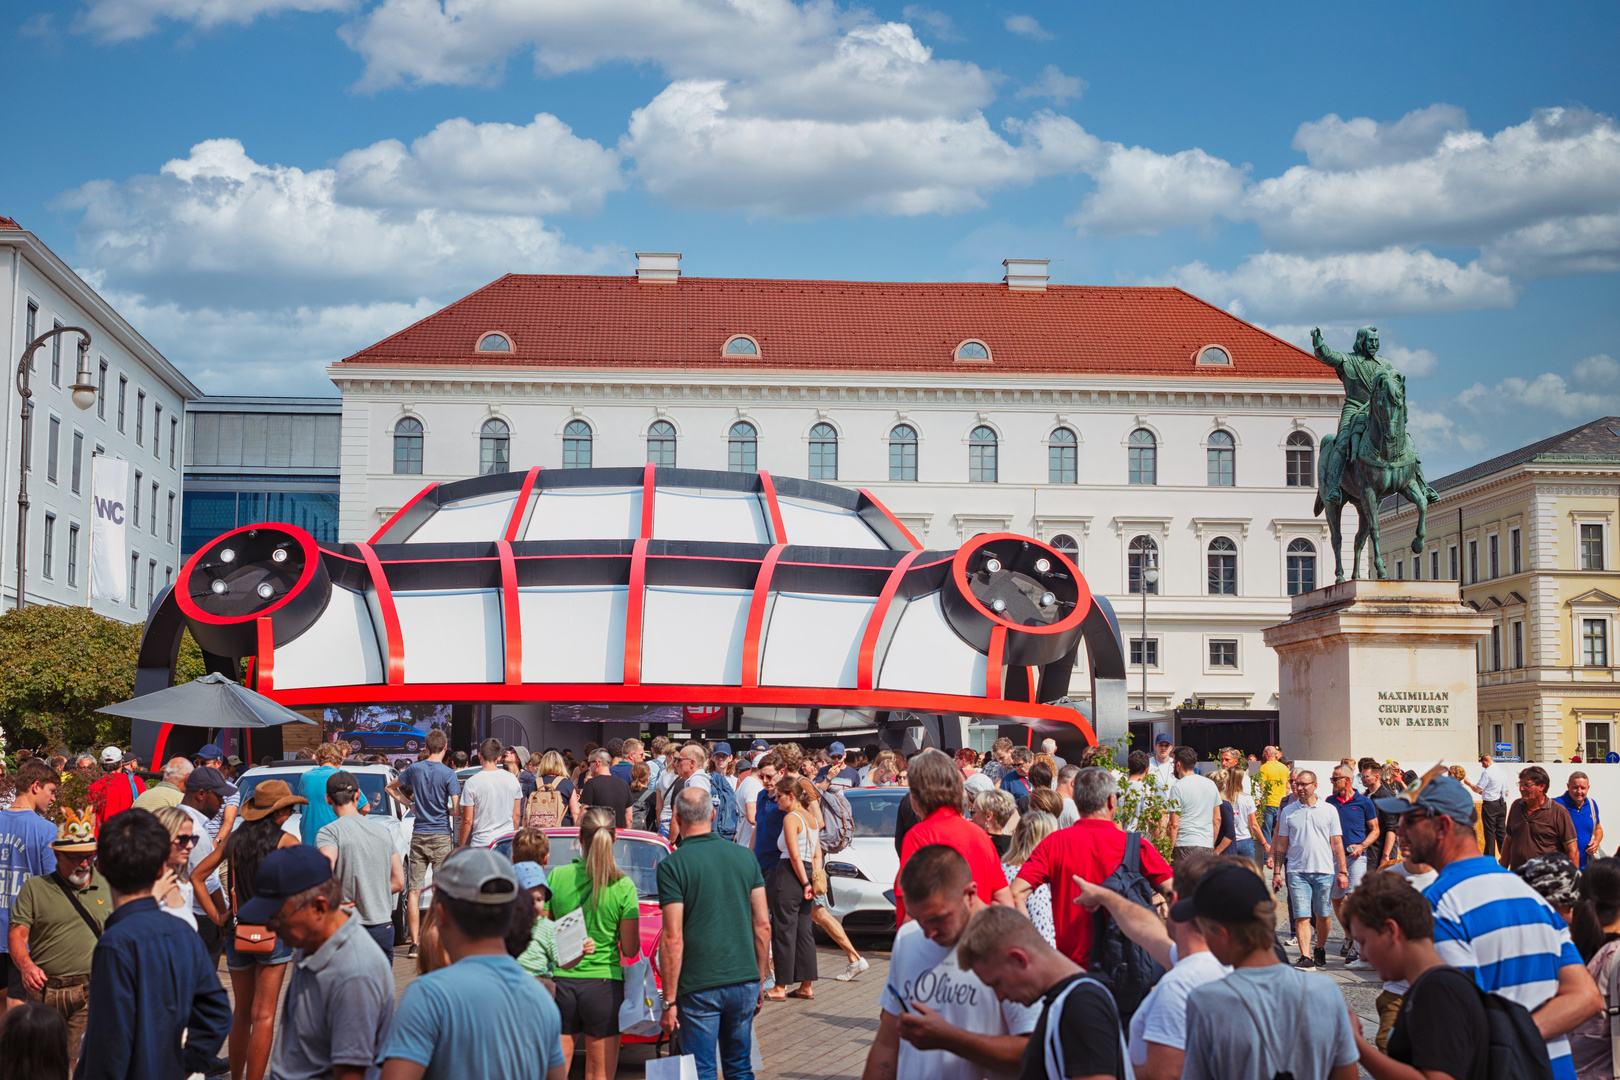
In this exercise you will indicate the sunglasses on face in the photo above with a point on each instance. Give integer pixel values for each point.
(184, 841)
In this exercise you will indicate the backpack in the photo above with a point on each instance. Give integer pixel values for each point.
(641, 815)
(837, 821)
(546, 806)
(727, 814)
(1518, 1052)
(1128, 969)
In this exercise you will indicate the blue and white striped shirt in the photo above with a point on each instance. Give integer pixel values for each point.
(1488, 919)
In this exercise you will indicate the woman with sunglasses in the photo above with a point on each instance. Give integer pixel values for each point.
(173, 891)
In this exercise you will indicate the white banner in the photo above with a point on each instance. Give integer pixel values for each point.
(109, 566)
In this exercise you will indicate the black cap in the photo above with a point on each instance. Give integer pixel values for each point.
(208, 778)
(341, 781)
(1227, 894)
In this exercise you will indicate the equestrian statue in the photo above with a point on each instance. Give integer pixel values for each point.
(1371, 457)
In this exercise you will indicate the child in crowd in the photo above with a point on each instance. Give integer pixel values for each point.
(531, 850)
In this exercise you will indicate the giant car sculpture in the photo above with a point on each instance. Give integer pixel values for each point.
(643, 585)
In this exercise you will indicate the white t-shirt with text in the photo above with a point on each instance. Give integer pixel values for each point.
(491, 793)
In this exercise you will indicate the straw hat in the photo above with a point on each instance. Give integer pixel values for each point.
(269, 797)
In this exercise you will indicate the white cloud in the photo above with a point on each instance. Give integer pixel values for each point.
(1467, 191)
(1026, 26)
(224, 231)
(1347, 286)
(1413, 363)
(122, 20)
(692, 150)
(538, 168)
(1053, 84)
(940, 25)
(1596, 393)
(1434, 430)
(1339, 145)
(1568, 245)
(1140, 191)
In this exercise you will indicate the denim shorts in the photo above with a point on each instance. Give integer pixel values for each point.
(240, 961)
(1308, 894)
(1357, 866)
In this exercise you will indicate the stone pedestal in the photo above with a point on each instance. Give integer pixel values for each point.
(1382, 669)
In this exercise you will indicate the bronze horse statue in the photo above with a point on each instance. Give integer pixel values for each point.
(1382, 463)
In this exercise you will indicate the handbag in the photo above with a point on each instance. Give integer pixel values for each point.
(672, 1068)
(643, 1002)
(250, 939)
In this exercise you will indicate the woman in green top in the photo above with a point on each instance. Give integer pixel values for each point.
(589, 993)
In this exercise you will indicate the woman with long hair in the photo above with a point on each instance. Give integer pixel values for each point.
(173, 891)
(793, 942)
(255, 979)
(855, 963)
(643, 798)
(590, 992)
(1033, 827)
(553, 776)
(1595, 928)
(1247, 837)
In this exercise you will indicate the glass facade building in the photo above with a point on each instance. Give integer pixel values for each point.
(260, 459)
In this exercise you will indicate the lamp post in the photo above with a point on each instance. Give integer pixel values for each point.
(84, 396)
(1150, 576)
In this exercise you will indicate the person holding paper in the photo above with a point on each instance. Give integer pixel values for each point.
(589, 993)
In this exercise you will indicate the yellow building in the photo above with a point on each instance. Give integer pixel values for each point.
(1531, 538)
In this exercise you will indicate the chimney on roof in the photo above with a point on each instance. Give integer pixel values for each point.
(658, 267)
(1025, 275)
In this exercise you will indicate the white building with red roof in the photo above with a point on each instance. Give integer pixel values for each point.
(1129, 426)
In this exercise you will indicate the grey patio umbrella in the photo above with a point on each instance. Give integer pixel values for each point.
(212, 701)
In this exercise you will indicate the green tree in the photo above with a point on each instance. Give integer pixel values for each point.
(58, 665)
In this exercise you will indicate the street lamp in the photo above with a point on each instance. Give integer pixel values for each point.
(1150, 576)
(84, 396)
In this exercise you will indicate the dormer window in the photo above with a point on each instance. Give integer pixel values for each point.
(742, 345)
(1214, 354)
(495, 343)
(973, 350)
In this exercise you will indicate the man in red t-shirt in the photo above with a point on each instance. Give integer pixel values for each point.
(115, 792)
(1093, 848)
(936, 794)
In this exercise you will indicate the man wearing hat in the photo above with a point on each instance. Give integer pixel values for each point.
(835, 774)
(340, 999)
(364, 858)
(1163, 766)
(212, 757)
(1487, 919)
(55, 922)
(483, 1015)
(118, 790)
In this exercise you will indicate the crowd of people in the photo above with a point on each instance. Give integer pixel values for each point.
(1055, 919)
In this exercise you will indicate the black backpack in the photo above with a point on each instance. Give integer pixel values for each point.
(1128, 969)
(1518, 1052)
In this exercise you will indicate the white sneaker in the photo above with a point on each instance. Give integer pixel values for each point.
(1358, 964)
(854, 969)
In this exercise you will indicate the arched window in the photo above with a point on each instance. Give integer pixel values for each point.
(972, 350)
(661, 443)
(742, 346)
(1222, 459)
(494, 343)
(1143, 554)
(982, 455)
(903, 452)
(742, 447)
(1302, 567)
(1301, 453)
(1062, 457)
(1067, 544)
(1144, 457)
(408, 446)
(494, 448)
(823, 452)
(1214, 354)
(1222, 567)
(577, 445)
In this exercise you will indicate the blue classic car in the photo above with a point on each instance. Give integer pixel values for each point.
(388, 735)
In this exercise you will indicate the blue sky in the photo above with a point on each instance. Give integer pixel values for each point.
(263, 186)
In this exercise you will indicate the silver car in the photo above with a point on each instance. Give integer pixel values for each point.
(862, 875)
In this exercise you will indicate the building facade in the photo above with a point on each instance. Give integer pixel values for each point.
(252, 459)
(1530, 537)
(136, 417)
(1134, 428)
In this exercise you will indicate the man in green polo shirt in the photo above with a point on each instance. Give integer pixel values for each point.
(712, 989)
(55, 922)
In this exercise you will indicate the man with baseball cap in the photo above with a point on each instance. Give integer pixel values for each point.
(118, 790)
(483, 1015)
(340, 1000)
(1487, 919)
(835, 774)
(1163, 766)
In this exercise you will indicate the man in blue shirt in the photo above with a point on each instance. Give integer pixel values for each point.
(312, 785)
(151, 986)
(836, 773)
(483, 1015)
(1358, 820)
(1015, 778)
(25, 850)
(1583, 811)
(429, 788)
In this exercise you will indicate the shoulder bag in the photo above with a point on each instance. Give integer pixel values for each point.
(68, 891)
(250, 939)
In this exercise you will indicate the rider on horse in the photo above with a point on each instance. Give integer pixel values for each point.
(1361, 371)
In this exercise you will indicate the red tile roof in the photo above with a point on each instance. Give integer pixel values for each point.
(9, 223)
(557, 321)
